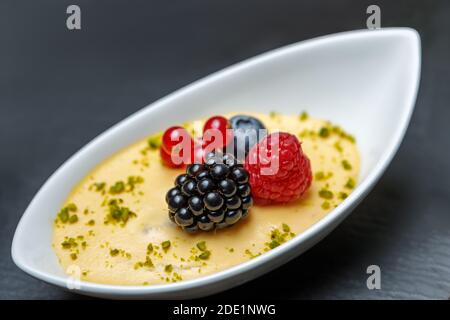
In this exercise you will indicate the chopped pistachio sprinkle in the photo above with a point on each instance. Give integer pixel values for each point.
(99, 186)
(133, 181)
(117, 188)
(149, 248)
(278, 237)
(204, 255)
(324, 132)
(114, 252)
(304, 116)
(148, 262)
(343, 195)
(154, 142)
(69, 243)
(350, 183)
(118, 213)
(168, 268)
(201, 245)
(346, 165)
(165, 245)
(320, 175)
(65, 215)
(325, 205)
(325, 194)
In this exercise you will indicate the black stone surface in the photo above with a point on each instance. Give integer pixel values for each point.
(59, 89)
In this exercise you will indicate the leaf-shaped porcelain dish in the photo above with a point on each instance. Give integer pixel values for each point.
(366, 81)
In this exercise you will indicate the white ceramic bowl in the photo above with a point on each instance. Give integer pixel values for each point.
(366, 81)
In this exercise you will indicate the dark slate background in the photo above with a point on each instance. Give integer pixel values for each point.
(59, 89)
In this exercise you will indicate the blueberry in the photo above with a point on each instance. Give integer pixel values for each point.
(184, 217)
(205, 185)
(213, 201)
(216, 216)
(180, 180)
(246, 133)
(246, 122)
(227, 187)
(177, 202)
(233, 203)
(189, 188)
(247, 202)
(204, 223)
(233, 216)
(172, 193)
(244, 190)
(194, 169)
(240, 175)
(219, 171)
(196, 205)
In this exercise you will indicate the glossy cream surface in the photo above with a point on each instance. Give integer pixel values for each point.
(115, 254)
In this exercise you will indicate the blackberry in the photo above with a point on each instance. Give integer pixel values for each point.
(210, 196)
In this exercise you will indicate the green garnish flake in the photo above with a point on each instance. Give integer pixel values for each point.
(91, 222)
(73, 256)
(325, 194)
(72, 207)
(114, 252)
(337, 145)
(149, 248)
(350, 184)
(154, 142)
(69, 243)
(201, 245)
(343, 195)
(65, 215)
(118, 213)
(133, 181)
(325, 205)
(165, 245)
(278, 237)
(324, 132)
(273, 244)
(168, 268)
(346, 165)
(129, 186)
(204, 255)
(273, 114)
(320, 175)
(99, 186)
(73, 218)
(304, 116)
(148, 262)
(117, 188)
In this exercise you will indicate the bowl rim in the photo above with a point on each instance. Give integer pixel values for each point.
(326, 222)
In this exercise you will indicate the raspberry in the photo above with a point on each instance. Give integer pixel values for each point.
(285, 182)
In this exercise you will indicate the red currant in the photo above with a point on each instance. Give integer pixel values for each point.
(215, 131)
(177, 147)
(172, 137)
(167, 159)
